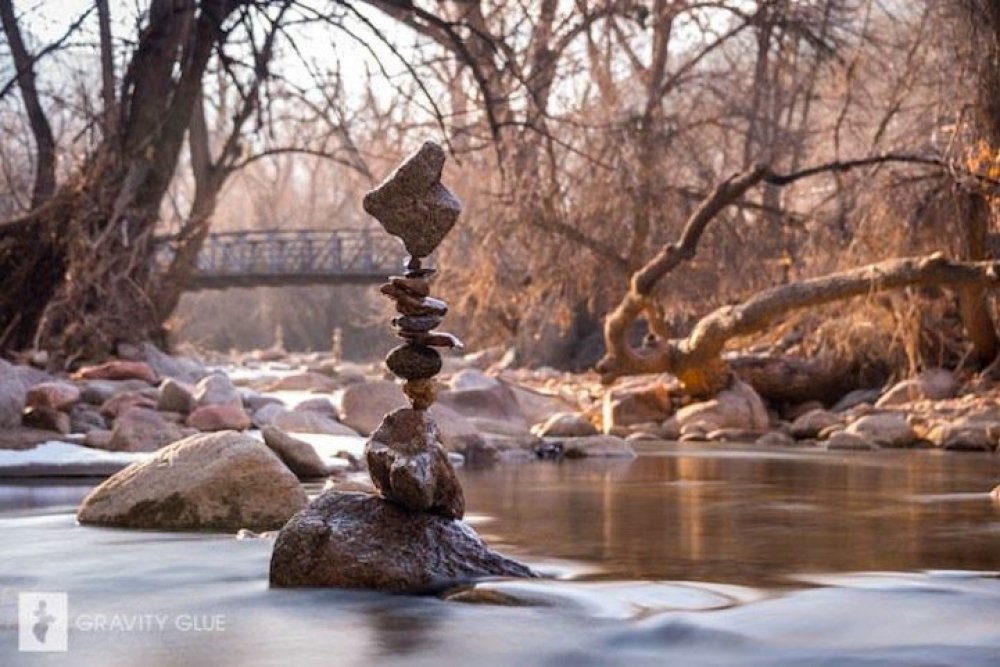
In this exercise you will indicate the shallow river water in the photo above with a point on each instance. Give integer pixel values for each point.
(687, 555)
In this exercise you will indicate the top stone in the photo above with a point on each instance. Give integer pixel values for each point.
(413, 204)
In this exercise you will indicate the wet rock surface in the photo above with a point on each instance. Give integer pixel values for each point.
(357, 540)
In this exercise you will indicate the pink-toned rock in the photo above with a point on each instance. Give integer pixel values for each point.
(224, 417)
(118, 370)
(56, 395)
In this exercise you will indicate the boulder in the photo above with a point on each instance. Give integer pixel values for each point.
(254, 401)
(118, 369)
(812, 423)
(142, 430)
(361, 406)
(636, 403)
(358, 540)
(597, 446)
(266, 414)
(216, 389)
(934, 384)
(12, 396)
(294, 421)
(47, 419)
(300, 457)
(225, 417)
(55, 395)
(844, 441)
(775, 439)
(217, 481)
(566, 425)
(887, 429)
(738, 407)
(965, 435)
(319, 404)
(410, 467)
(303, 382)
(175, 396)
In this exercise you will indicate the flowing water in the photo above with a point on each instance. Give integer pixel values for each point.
(687, 555)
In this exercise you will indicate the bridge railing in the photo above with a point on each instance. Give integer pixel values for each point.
(259, 255)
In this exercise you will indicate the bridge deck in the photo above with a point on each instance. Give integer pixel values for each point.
(293, 257)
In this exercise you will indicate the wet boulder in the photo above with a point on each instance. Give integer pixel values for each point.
(359, 540)
(216, 481)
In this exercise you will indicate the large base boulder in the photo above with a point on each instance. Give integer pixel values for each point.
(358, 540)
(214, 481)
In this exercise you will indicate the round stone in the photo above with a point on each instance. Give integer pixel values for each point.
(414, 362)
(417, 323)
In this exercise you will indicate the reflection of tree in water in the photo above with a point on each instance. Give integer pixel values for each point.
(404, 626)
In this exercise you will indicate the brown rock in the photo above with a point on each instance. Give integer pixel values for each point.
(142, 430)
(844, 441)
(46, 419)
(304, 382)
(597, 446)
(361, 406)
(98, 439)
(413, 204)
(310, 422)
(357, 540)
(812, 423)
(933, 384)
(56, 395)
(417, 323)
(121, 403)
(226, 417)
(12, 396)
(300, 457)
(890, 429)
(118, 370)
(217, 389)
(319, 405)
(418, 287)
(217, 481)
(564, 424)
(410, 467)
(636, 403)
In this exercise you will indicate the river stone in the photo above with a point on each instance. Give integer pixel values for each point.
(810, 424)
(215, 481)
(597, 446)
(225, 417)
(46, 419)
(320, 404)
(410, 467)
(175, 396)
(56, 395)
(121, 403)
(414, 362)
(99, 392)
(418, 287)
(217, 389)
(296, 421)
(413, 204)
(85, 418)
(419, 323)
(361, 406)
(933, 384)
(564, 424)
(844, 441)
(890, 429)
(142, 430)
(300, 457)
(738, 407)
(12, 396)
(358, 540)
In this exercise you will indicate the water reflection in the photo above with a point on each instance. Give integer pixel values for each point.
(732, 515)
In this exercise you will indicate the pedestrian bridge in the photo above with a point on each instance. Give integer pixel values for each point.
(294, 257)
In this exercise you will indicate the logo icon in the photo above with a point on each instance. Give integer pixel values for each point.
(42, 622)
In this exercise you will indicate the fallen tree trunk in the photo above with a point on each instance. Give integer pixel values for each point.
(697, 359)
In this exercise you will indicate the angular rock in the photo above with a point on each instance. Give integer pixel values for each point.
(46, 419)
(812, 423)
(182, 369)
(565, 424)
(56, 395)
(218, 481)
(410, 467)
(358, 540)
(300, 457)
(118, 370)
(889, 429)
(142, 430)
(216, 389)
(175, 396)
(933, 384)
(225, 417)
(413, 204)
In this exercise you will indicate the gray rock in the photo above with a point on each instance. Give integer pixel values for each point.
(216, 389)
(294, 421)
(12, 396)
(812, 423)
(85, 418)
(361, 406)
(98, 392)
(855, 398)
(357, 540)
(218, 481)
(890, 429)
(844, 441)
(300, 457)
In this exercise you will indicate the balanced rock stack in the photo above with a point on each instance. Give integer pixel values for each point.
(409, 538)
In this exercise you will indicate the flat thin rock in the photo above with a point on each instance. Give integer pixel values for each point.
(358, 540)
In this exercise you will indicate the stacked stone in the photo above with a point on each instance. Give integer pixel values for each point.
(407, 462)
